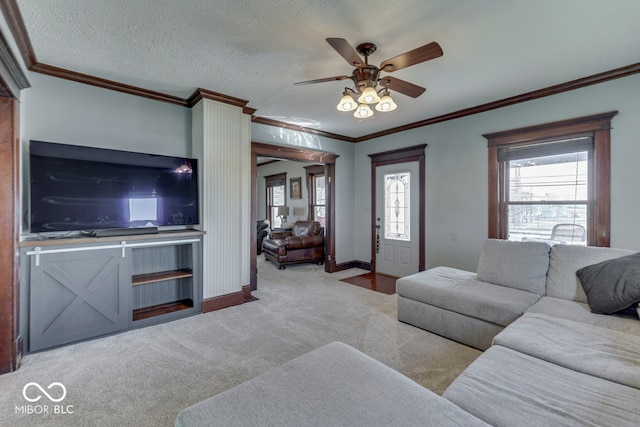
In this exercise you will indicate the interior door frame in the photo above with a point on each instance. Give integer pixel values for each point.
(10, 340)
(401, 155)
(300, 155)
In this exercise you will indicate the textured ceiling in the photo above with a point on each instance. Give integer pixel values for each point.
(256, 50)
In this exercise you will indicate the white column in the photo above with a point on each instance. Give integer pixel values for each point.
(222, 143)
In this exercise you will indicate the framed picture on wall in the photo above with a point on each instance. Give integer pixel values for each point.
(295, 188)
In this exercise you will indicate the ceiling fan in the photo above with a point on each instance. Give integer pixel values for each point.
(367, 77)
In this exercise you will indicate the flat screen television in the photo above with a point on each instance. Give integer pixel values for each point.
(84, 188)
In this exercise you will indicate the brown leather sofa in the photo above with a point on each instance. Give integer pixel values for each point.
(263, 232)
(305, 243)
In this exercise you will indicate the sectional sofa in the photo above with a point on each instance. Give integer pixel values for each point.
(512, 278)
(548, 359)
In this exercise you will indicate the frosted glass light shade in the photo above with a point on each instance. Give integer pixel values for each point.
(363, 111)
(386, 104)
(347, 103)
(369, 96)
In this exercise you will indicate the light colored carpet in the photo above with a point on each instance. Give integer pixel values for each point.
(145, 377)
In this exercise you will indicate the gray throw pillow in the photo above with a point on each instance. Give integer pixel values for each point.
(612, 285)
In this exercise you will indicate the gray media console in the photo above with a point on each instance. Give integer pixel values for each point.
(77, 289)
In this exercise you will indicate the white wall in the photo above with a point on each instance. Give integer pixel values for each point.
(63, 111)
(293, 170)
(456, 169)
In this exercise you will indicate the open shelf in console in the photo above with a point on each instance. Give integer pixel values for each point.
(162, 280)
(159, 276)
(157, 310)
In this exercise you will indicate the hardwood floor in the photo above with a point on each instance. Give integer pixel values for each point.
(375, 282)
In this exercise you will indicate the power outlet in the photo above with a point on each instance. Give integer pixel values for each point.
(454, 237)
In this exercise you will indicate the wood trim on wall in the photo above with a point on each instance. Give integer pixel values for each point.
(298, 128)
(12, 78)
(16, 25)
(10, 340)
(218, 97)
(301, 155)
(400, 155)
(602, 187)
(62, 73)
(253, 259)
(353, 264)
(227, 300)
(599, 125)
(552, 129)
(528, 96)
(330, 221)
(292, 153)
(312, 171)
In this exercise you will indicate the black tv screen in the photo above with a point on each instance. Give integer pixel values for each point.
(84, 188)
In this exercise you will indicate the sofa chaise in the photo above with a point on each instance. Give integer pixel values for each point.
(549, 359)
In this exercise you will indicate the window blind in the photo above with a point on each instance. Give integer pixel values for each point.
(277, 180)
(542, 148)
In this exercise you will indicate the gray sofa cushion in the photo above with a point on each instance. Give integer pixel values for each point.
(580, 312)
(506, 388)
(612, 285)
(455, 326)
(565, 260)
(603, 353)
(330, 386)
(438, 277)
(494, 303)
(518, 265)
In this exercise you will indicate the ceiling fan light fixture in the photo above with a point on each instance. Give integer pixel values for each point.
(366, 78)
(363, 111)
(369, 96)
(386, 103)
(346, 103)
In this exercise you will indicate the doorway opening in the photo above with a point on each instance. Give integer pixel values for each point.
(300, 155)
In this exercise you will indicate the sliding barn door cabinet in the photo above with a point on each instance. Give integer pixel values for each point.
(82, 288)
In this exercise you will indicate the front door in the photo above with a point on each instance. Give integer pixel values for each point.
(396, 219)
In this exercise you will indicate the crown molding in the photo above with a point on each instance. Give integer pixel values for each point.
(200, 94)
(12, 14)
(105, 84)
(12, 77)
(528, 96)
(14, 20)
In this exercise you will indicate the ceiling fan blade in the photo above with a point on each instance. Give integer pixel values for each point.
(346, 51)
(326, 79)
(415, 56)
(401, 86)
